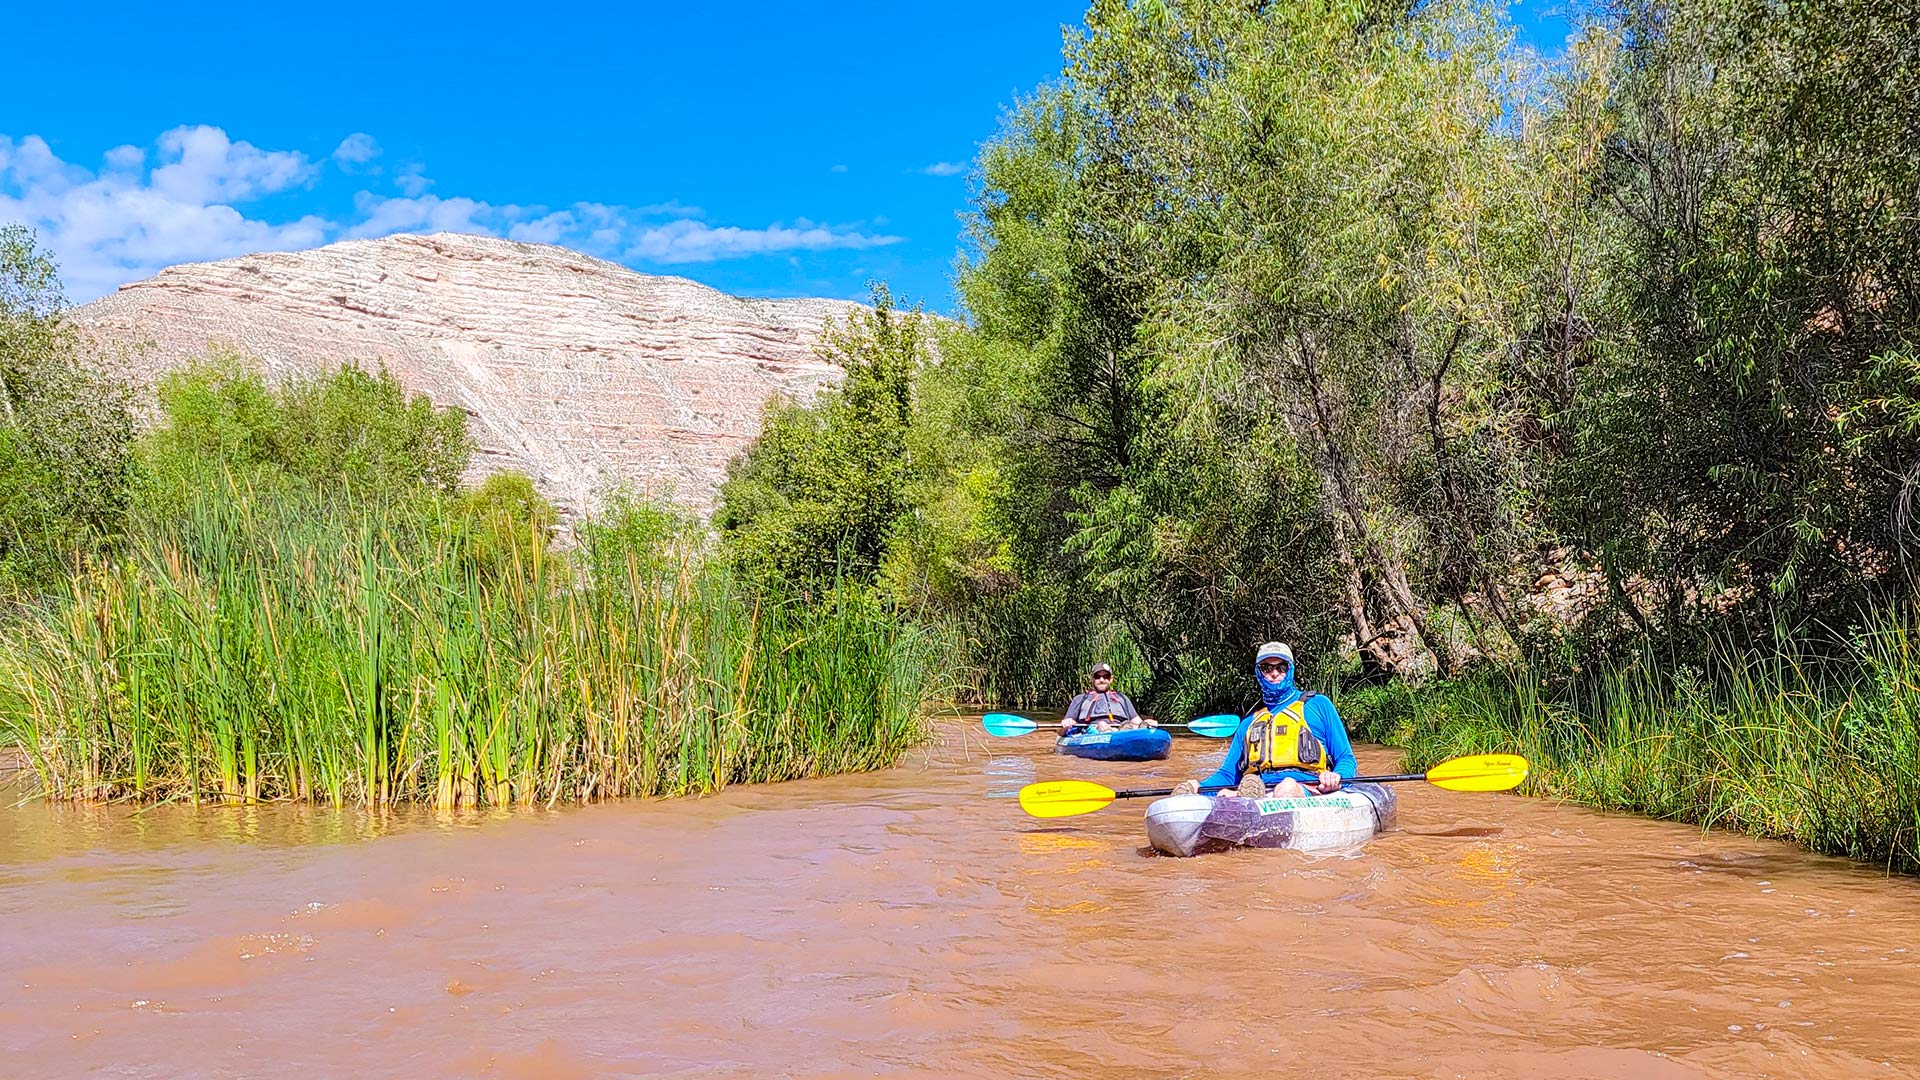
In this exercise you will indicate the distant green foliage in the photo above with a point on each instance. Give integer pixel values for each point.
(354, 430)
(630, 539)
(824, 490)
(508, 523)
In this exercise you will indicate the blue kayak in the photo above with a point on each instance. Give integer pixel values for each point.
(1133, 744)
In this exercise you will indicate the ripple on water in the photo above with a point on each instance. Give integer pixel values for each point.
(902, 923)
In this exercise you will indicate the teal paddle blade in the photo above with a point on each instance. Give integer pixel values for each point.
(1006, 725)
(1217, 726)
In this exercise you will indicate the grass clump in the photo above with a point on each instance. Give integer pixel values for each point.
(1818, 747)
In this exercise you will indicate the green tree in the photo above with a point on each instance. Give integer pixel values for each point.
(1269, 290)
(1747, 433)
(64, 428)
(1125, 532)
(1351, 185)
(827, 485)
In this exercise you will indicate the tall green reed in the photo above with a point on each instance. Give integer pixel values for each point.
(1801, 744)
(287, 645)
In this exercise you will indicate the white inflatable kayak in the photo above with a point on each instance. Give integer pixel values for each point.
(1197, 824)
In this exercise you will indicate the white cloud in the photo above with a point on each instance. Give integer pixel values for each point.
(944, 168)
(120, 225)
(696, 241)
(31, 162)
(412, 180)
(186, 201)
(356, 149)
(552, 228)
(672, 208)
(204, 166)
(428, 213)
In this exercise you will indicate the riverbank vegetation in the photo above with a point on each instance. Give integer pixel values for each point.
(1821, 747)
(285, 592)
(1567, 405)
(65, 429)
(266, 646)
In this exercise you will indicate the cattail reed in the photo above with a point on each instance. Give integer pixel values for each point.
(287, 646)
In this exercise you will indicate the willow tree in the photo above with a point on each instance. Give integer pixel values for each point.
(1749, 434)
(1125, 533)
(1357, 246)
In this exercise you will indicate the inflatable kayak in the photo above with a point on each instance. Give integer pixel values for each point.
(1132, 744)
(1197, 824)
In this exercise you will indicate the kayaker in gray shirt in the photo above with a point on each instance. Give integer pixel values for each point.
(1102, 708)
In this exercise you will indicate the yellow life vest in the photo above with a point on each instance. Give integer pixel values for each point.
(1282, 740)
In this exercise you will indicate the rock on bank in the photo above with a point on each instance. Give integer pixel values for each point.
(576, 371)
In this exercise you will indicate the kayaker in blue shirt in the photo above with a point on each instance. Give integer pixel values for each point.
(1102, 708)
(1294, 740)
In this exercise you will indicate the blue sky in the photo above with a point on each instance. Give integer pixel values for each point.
(764, 149)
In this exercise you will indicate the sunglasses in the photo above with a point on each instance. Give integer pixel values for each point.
(1103, 675)
(1272, 665)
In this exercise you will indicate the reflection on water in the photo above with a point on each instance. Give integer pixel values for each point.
(1047, 843)
(1005, 776)
(908, 922)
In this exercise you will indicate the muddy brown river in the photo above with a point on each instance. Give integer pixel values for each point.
(915, 922)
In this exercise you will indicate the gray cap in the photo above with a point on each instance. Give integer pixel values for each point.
(1098, 668)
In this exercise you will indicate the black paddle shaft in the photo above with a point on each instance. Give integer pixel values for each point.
(1154, 793)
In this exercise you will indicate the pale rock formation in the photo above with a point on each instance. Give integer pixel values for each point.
(579, 372)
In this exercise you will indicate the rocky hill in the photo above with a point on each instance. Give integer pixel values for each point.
(575, 371)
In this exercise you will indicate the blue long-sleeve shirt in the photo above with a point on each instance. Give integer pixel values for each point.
(1325, 723)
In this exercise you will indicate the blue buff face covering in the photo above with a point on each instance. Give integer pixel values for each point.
(1276, 697)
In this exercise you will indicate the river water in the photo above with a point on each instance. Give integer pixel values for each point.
(915, 922)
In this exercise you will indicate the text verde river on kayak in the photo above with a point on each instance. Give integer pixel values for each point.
(916, 922)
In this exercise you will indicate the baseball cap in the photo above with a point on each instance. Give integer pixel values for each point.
(1273, 650)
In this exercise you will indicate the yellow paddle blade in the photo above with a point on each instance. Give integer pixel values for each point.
(1481, 772)
(1064, 798)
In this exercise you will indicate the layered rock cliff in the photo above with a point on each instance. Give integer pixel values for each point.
(580, 373)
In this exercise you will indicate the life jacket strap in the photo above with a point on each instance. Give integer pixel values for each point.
(1086, 704)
